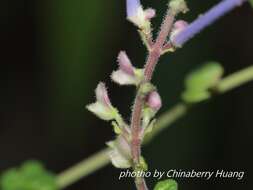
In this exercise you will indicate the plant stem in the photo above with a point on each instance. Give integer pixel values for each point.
(157, 48)
(235, 80)
(141, 183)
(101, 159)
(152, 60)
(84, 168)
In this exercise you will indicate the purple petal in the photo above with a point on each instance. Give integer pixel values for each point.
(102, 95)
(205, 20)
(125, 63)
(154, 101)
(150, 13)
(132, 7)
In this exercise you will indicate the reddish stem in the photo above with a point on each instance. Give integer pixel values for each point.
(152, 60)
(141, 185)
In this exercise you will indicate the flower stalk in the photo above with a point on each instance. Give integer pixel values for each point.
(125, 151)
(154, 54)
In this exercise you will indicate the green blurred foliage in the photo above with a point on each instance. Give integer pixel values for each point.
(30, 176)
(200, 81)
(251, 1)
(168, 184)
(76, 31)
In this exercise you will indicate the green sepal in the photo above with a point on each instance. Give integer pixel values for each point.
(30, 176)
(146, 88)
(150, 127)
(199, 82)
(147, 115)
(116, 128)
(143, 164)
(168, 184)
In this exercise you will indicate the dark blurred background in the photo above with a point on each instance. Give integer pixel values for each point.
(55, 52)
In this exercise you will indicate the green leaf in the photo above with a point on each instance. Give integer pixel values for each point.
(168, 184)
(194, 96)
(251, 2)
(200, 81)
(30, 176)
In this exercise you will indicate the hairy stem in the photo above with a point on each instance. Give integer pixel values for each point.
(101, 159)
(156, 50)
(135, 130)
(152, 60)
(141, 184)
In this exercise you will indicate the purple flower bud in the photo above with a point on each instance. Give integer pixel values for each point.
(102, 107)
(178, 27)
(102, 95)
(125, 63)
(133, 7)
(127, 74)
(154, 101)
(150, 13)
(180, 24)
(205, 20)
(138, 16)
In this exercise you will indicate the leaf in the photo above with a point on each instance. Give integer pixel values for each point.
(30, 176)
(205, 76)
(199, 82)
(251, 2)
(168, 184)
(194, 96)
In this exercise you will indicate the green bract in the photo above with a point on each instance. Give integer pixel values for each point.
(199, 82)
(168, 184)
(30, 176)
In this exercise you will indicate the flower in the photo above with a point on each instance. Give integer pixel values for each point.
(102, 107)
(152, 105)
(138, 16)
(150, 13)
(125, 64)
(120, 152)
(127, 74)
(205, 20)
(133, 6)
(154, 101)
(178, 27)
